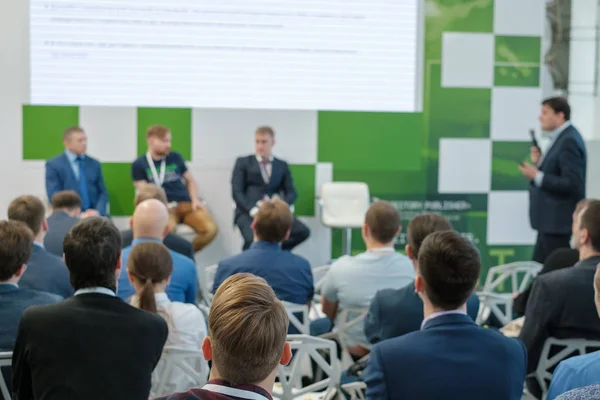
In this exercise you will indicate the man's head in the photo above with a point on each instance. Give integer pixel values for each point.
(151, 191)
(16, 240)
(75, 140)
(247, 327)
(159, 140)
(555, 112)
(575, 226)
(150, 220)
(92, 252)
(31, 211)
(382, 224)
(448, 270)
(273, 222)
(67, 201)
(588, 231)
(418, 229)
(264, 140)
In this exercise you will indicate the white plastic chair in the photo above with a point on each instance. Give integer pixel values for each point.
(344, 205)
(303, 326)
(355, 390)
(178, 370)
(5, 361)
(340, 332)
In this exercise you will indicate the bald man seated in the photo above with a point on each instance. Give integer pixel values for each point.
(150, 224)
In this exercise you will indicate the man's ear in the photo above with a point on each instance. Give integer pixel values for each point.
(19, 273)
(253, 224)
(409, 252)
(286, 354)
(118, 266)
(207, 349)
(131, 223)
(44, 225)
(418, 284)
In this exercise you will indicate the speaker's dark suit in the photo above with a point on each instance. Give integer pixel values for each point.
(248, 187)
(47, 273)
(172, 241)
(59, 224)
(552, 204)
(91, 346)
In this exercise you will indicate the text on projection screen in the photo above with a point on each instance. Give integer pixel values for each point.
(285, 54)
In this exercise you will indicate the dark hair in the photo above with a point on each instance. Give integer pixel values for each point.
(590, 220)
(449, 265)
(71, 130)
(273, 221)
(261, 130)
(28, 209)
(16, 241)
(149, 263)
(92, 249)
(559, 105)
(383, 220)
(421, 226)
(68, 199)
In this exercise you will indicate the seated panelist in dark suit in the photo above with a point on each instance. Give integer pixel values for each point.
(259, 176)
(557, 179)
(66, 208)
(92, 345)
(75, 170)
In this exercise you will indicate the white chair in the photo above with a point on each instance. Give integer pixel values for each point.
(347, 318)
(344, 205)
(303, 326)
(178, 370)
(355, 390)
(5, 361)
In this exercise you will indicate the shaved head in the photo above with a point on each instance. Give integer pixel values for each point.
(150, 220)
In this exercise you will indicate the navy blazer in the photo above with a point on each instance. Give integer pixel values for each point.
(47, 273)
(248, 185)
(551, 206)
(173, 241)
(396, 312)
(450, 358)
(60, 176)
(59, 224)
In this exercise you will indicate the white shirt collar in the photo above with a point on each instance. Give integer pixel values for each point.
(161, 298)
(555, 133)
(439, 314)
(259, 158)
(98, 289)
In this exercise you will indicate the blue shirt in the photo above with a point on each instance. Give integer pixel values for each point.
(574, 373)
(72, 157)
(183, 286)
(173, 182)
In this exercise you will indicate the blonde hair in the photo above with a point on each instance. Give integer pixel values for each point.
(150, 191)
(261, 130)
(158, 131)
(247, 327)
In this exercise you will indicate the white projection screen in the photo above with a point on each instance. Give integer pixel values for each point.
(355, 55)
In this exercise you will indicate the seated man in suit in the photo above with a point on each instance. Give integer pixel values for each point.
(92, 345)
(75, 170)
(247, 327)
(450, 357)
(172, 240)
(396, 312)
(258, 177)
(45, 271)
(16, 241)
(167, 169)
(150, 223)
(66, 208)
(288, 274)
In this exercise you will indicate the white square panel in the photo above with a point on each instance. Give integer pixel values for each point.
(465, 166)
(323, 174)
(219, 136)
(519, 17)
(467, 60)
(514, 112)
(508, 219)
(111, 132)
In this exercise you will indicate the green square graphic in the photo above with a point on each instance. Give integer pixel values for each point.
(304, 182)
(516, 76)
(506, 157)
(178, 120)
(43, 128)
(117, 177)
(515, 50)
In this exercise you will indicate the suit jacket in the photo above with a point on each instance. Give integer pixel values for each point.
(172, 241)
(13, 301)
(60, 176)
(450, 358)
(248, 185)
(396, 312)
(561, 305)
(47, 273)
(91, 346)
(59, 224)
(551, 206)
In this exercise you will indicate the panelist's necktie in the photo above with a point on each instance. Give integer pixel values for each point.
(264, 166)
(83, 189)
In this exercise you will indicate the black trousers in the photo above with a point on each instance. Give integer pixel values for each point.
(547, 243)
(299, 233)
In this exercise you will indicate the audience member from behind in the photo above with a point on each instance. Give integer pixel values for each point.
(149, 268)
(450, 357)
(247, 328)
(150, 224)
(172, 241)
(66, 208)
(16, 241)
(92, 345)
(288, 274)
(395, 312)
(353, 281)
(45, 271)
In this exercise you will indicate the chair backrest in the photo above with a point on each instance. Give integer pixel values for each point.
(344, 204)
(348, 318)
(518, 274)
(5, 361)
(206, 278)
(178, 370)
(290, 376)
(356, 390)
(302, 325)
(498, 304)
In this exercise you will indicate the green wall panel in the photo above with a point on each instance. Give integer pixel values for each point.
(517, 76)
(43, 128)
(304, 181)
(506, 157)
(179, 120)
(117, 177)
(518, 49)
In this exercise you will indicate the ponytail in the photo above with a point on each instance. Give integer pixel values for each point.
(146, 297)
